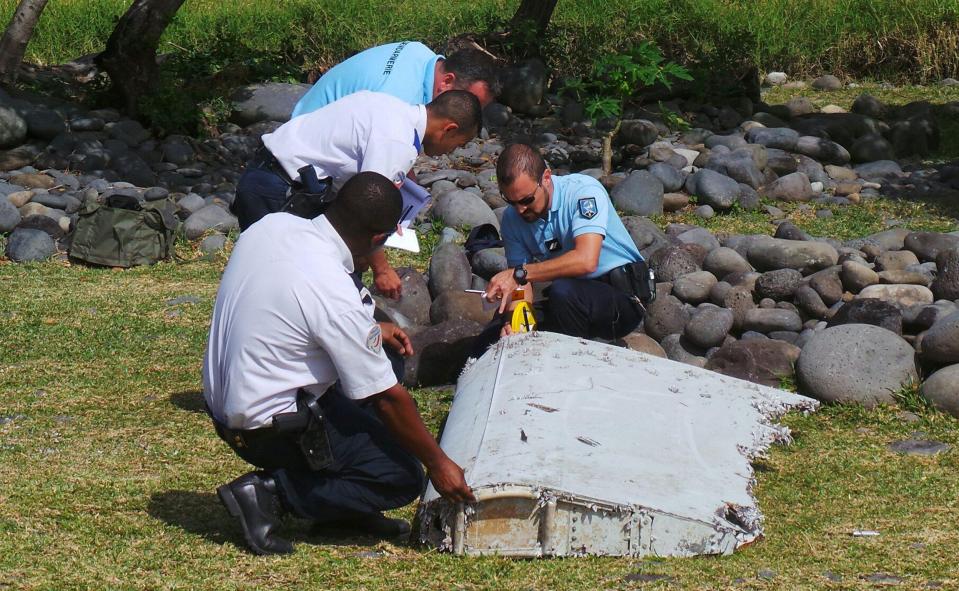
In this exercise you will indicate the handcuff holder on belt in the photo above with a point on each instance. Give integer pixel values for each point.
(309, 196)
(635, 280)
(309, 424)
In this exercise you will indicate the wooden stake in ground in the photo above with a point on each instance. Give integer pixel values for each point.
(130, 55)
(15, 38)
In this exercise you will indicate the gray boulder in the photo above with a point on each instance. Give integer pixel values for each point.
(128, 131)
(671, 178)
(640, 194)
(868, 105)
(791, 187)
(804, 256)
(761, 361)
(856, 276)
(44, 123)
(681, 350)
(637, 131)
(30, 245)
(810, 302)
(940, 345)
(781, 138)
(694, 288)
(780, 284)
(731, 141)
(414, 302)
(871, 148)
(273, 101)
(700, 236)
(441, 352)
(941, 389)
(878, 170)
(210, 217)
(928, 245)
(449, 269)
(944, 287)
(855, 363)
(461, 208)
(903, 295)
(666, 315)
(708, 326)
(524, 85)
(453, 305)
(723, 261)
(13, 129)
(9, 216)
(645, 234)
(489, 262)
(827, 82)
(869, 311)
(822, 149)
(767, 320)
(671, 262)
(715, 189)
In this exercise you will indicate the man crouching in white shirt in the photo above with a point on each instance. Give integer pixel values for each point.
(363, 131)
(298, 384)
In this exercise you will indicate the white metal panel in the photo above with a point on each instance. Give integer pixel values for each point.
(591, 424)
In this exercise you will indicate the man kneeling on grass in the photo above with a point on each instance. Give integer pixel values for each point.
(298, 383)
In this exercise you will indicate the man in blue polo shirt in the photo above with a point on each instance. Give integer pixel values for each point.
(408, 70)
(565, 230)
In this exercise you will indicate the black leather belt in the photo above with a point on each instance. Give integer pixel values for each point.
(283, 423)
(267, 161)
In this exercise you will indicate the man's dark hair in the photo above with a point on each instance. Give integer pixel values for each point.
(367, 203)
(460, 107)
(516, 160)
(472, 65)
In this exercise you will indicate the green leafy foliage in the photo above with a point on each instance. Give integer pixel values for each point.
(618, 77)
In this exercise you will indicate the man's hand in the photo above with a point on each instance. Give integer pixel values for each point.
(500, 287)
(387, 282)
(506, 330)
(450, 481)
(396, 339)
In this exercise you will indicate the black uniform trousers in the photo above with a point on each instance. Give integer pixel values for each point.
(371, 471)
(578, 307)
(262, 189)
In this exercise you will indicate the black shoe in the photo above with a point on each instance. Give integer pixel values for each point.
(253, 499)
(375, 524)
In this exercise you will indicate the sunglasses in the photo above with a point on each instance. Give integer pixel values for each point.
(528, 200)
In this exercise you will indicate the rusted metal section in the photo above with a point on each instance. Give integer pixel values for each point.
(575, 448)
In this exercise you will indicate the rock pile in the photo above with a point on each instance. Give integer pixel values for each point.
(851, 321)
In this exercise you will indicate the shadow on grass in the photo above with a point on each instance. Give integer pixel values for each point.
(201, 513)
(190, 401)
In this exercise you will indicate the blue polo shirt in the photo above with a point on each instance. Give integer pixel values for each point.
(580, 206)
(404, 70)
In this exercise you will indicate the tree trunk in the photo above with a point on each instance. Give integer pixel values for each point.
(15, 39)
(130, 57)
(537, 12)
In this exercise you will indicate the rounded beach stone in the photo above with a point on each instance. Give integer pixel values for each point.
(940, 345)
(855, 363)
(779, 284)
(942, 390)
(709, 326)
(694, 287)
(756, 359)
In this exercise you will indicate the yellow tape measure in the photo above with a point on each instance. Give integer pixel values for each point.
(523, 319)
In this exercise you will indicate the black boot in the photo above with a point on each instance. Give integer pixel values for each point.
(374, 524)
(254, 500)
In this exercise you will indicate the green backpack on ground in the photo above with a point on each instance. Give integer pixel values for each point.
(124, 232)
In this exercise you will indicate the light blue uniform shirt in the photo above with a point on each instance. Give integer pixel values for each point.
(404, 70)
(580, 206)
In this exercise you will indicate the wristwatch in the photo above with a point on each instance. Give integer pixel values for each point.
(519, 275)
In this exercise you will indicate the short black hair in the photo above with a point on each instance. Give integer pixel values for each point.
(460, 107)
(368, 202)
(472, 65)
(516, 160)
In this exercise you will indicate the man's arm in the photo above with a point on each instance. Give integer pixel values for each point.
(580, 261)
(398, 412)
(384, 276)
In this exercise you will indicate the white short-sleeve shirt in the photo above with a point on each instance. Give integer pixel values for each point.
(361, 131)
(288, 316)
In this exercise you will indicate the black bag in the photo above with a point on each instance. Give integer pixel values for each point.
(309, 196)
(480, 238)
(635, 280)
(123, 232)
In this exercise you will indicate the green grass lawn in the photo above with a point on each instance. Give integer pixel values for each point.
(108, 468)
